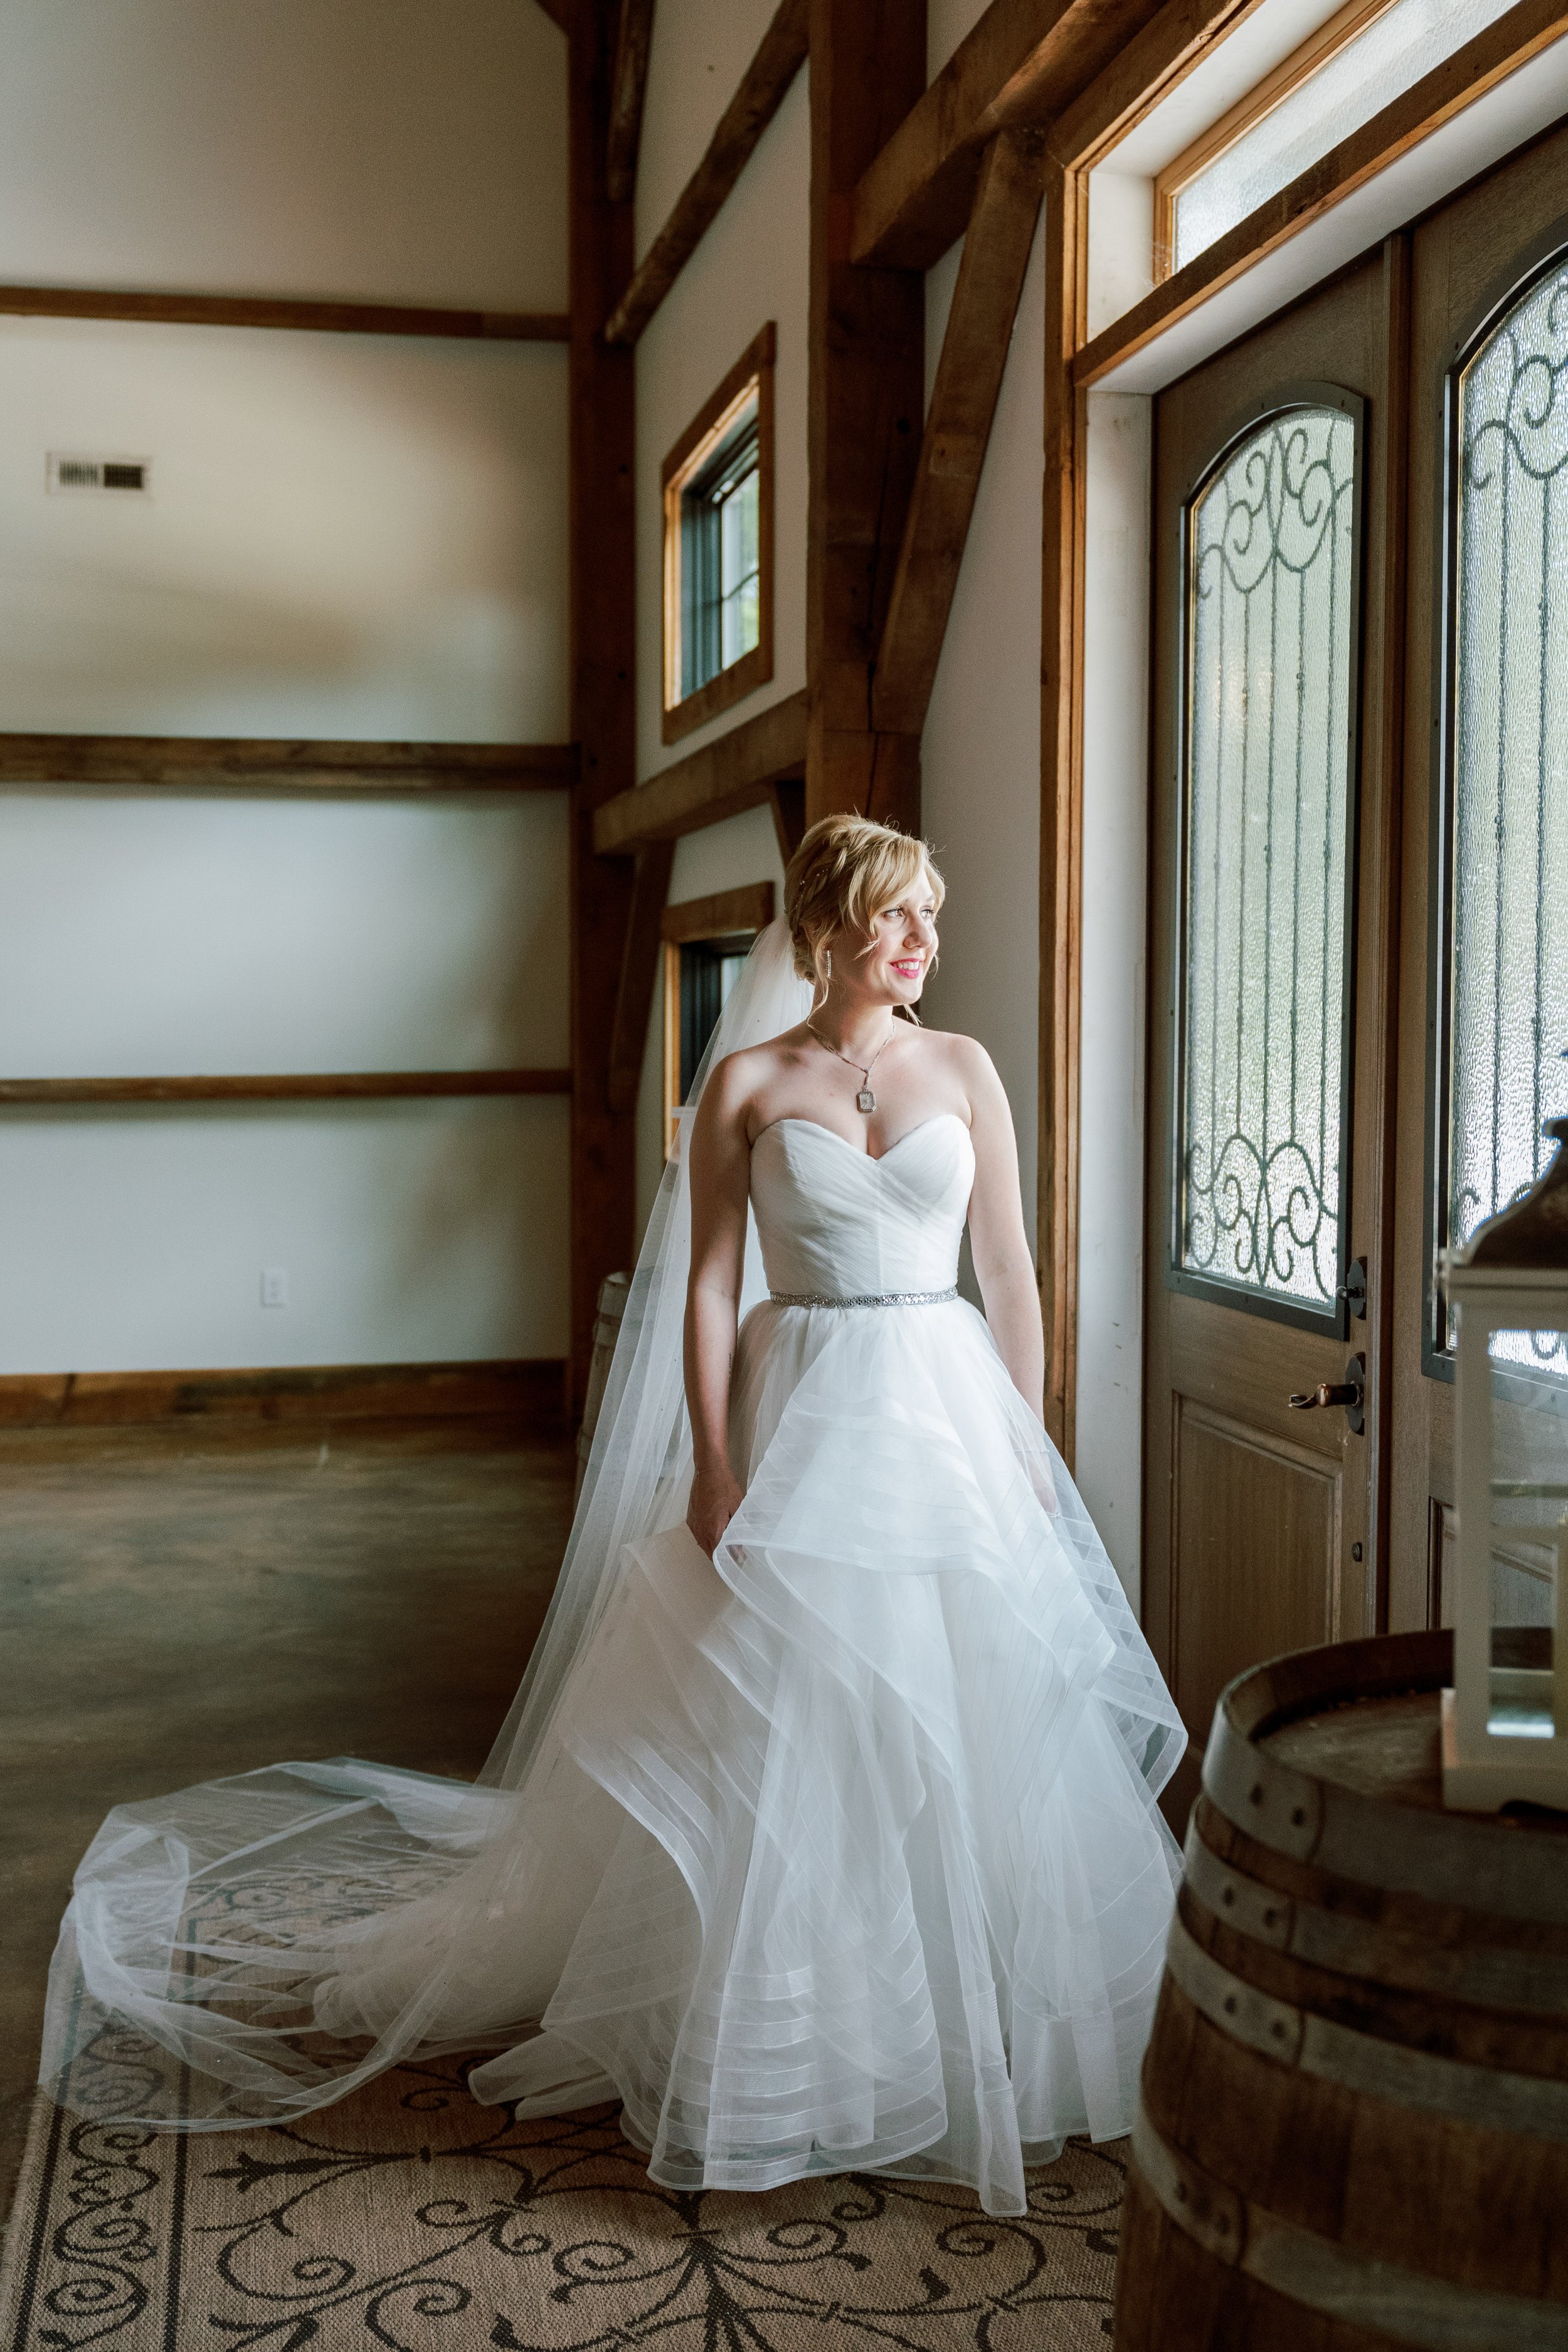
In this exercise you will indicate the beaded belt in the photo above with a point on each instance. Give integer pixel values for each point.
(864, 1298)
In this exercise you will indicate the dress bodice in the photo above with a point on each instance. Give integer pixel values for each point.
(833, 1219)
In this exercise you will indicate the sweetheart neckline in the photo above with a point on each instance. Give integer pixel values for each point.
(876, 1158)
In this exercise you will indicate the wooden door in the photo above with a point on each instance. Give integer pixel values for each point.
(1483, 996)
(1269, 873)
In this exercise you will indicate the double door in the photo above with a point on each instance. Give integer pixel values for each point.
(1358, 1013)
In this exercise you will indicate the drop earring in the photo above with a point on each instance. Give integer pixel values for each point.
(827, 961)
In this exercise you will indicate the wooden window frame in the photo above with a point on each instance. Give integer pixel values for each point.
(1233, 126)
(753, 371)
(721, 915)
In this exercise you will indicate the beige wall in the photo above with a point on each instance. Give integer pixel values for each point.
(346, 536)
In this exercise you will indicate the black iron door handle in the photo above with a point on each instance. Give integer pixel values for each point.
(1351, 1393)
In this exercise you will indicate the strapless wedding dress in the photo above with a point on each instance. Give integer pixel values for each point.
(842, 1851)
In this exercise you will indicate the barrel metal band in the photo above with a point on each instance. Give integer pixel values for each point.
(1410, 2307)
(864, 1298)
(1451, 2088)
(1488, 1975)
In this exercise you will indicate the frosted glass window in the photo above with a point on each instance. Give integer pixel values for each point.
(1269, 686)
(1395, 49)
(1507, 1025)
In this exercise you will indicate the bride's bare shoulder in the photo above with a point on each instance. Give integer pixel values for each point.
(734, 1083)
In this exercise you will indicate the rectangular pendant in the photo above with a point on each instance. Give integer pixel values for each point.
(865, 1100)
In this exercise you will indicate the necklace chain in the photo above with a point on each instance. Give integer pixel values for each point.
(865, 1100)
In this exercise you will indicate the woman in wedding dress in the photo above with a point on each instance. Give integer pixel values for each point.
(823, 1834)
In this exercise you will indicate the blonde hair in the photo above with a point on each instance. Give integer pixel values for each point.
(847, 872)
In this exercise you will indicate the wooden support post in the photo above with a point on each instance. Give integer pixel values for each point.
(958, 428)
(1061, 791)
(602, 429)
(639, 970)
(787, 800)
(866, 373)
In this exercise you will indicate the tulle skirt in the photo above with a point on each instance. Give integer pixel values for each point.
(841, 1851)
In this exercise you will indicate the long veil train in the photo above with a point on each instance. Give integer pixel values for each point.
(813, 1862)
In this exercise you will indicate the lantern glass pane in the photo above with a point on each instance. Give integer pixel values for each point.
(1528, 1533)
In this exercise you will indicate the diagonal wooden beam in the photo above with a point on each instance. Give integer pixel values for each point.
(958, 428)
(1022, 62)
(1499, 50)
(736, 771)
(779, 58)
(639, 970)
(628, 88)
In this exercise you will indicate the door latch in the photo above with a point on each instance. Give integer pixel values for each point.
(1351, 1393)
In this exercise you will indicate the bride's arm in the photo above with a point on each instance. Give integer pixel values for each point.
(998, 1243)
(720, 1185)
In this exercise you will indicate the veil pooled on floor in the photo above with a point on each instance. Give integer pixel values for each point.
(209, 1929)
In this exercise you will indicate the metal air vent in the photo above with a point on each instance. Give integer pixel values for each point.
(101, 474)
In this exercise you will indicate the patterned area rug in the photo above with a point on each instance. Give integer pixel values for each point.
(412, 2218)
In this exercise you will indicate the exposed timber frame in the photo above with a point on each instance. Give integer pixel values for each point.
(247, 763)
(958, 429)
(309, 1086)
(867, 402)
(634, 41)
(305, 316)
(741, 769)
(1493, 54)
(604, 648)
(764, 87)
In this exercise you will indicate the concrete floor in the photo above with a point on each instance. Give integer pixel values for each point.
(177, 1604)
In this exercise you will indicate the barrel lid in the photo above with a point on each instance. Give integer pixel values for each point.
(1330, 1755)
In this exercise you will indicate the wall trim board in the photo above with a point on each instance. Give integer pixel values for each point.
(311, 1086)
(255, 764)
(763, 88)
(283, 311)
(736, 771)
(529, 1389)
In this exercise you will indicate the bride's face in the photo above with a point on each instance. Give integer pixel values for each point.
(894, 967)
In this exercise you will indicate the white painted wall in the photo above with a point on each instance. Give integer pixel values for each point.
(347, 535)
(377, 150)
(981, 753)
(1111, 1114)
(751, 267)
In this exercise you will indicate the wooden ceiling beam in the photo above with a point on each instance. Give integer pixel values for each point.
(628, 88)
(1020, 65)
(737, 771)
(255, 764)
(763, 86)
(958, 428)
(1495, 53)
(265, 310)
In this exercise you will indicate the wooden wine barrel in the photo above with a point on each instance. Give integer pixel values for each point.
(1353, 2124)
(612, 1294)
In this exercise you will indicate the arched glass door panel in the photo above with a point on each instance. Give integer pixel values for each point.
(1503, 1025)
(1269, 699)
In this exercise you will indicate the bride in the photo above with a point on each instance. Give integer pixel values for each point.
(822, 1833)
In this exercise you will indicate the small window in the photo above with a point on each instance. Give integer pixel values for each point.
(1339, 78)
(717, 548)
(706, 941)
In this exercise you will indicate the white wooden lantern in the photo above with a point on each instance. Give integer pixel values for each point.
(1505, 1722)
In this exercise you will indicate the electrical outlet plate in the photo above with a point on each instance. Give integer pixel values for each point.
(274, 1287)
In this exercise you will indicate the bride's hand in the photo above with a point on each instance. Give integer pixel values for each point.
(715, 1499)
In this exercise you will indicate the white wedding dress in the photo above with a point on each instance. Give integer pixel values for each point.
(840, 1853)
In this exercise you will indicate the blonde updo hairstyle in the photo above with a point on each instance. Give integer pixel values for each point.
(847, 872)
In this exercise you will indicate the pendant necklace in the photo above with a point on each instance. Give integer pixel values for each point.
(865, 1100)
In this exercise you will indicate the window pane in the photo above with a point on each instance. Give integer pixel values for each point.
(1508, 1031)
(1269, 686)
(1406, 42)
